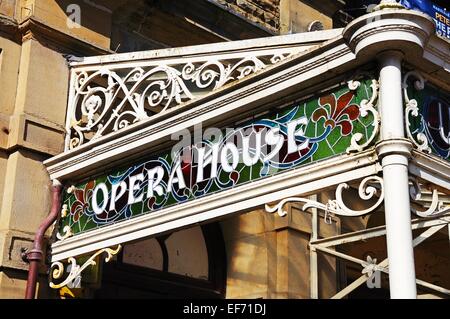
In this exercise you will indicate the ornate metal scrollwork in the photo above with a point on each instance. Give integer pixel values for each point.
(216, 73)
(366, 107)
(67, 232)
(109, 99)
(75, 269)
(366, 191)
(64, 210)
(370, 266)
(437, 207)
(418, 138)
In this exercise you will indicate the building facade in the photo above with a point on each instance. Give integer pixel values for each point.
(223, 149)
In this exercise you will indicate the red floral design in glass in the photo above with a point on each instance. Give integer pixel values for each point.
(82, 200)
(338, 113)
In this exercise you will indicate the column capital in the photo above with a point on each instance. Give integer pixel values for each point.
(391, 27)
(398, 146)
(390, 54)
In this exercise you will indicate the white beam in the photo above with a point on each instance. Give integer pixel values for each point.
(377, 232)
(384, 264)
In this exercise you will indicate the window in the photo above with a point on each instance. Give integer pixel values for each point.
(186, 264)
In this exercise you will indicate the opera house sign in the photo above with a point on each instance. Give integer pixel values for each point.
(292, 136)
(283, 117)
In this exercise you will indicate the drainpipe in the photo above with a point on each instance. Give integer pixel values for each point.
(35, 255)
(395, 151)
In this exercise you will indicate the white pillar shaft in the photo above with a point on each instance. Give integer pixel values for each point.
(402, 278)
(391, 101)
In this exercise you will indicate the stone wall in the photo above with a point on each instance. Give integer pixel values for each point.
(263, 12)
(34, 78)
(268, 255)
(283, 16)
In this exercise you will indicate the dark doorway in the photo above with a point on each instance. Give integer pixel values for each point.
(173, 266)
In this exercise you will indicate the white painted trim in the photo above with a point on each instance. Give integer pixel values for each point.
(268, 43)
(430, 168)
(294, 182)
(435, 225)
(378, 232)
(201, 57)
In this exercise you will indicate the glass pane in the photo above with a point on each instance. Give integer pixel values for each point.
(145, 253)
(187, 253)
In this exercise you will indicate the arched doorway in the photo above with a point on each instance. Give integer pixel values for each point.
(189, 263)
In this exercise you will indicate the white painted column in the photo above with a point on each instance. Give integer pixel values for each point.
(394, 151)
(313, 262)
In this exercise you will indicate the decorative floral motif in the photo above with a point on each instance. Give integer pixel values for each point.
(81, 204)
(370, 267)
(366, 107)
(75, 269)
(337, 112)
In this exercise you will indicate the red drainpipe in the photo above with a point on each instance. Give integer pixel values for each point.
(35, 255)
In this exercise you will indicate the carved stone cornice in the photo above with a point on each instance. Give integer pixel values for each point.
(9, 28)
(34, 28)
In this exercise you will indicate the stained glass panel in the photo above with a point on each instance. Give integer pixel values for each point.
(428, 117)
(289, 137)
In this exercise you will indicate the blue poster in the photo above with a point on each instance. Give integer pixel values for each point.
(440, 16)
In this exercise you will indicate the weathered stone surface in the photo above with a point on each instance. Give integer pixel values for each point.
(9, 61)
(12, 284)
(12, 245)
(296, 16)
(3, 165)
(7, 7)
(26, 196)
(247, 267)
(263, 12)
(95, 20)
(43, 83)
(268, 255)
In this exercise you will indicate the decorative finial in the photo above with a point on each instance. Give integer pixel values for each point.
(388, 4)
